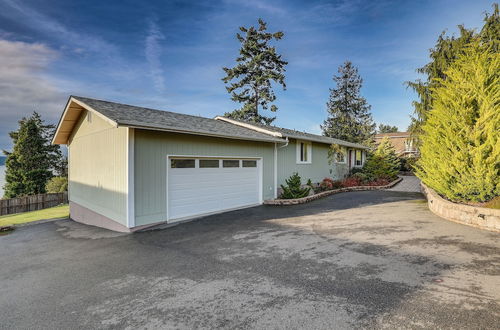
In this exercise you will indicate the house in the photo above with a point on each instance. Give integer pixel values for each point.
(401, 141)
(132, 167)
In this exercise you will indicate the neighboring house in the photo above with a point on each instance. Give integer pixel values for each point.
(401, 141)
(133, 167)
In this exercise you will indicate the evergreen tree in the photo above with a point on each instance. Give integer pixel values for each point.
(257, 66)
(349, 115)
(382, 163)
(33, 159)
(293, 188)
(386, 150)
(444, 53)
(387, 128)
(460, 151)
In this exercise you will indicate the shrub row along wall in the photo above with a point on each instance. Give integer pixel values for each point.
(481, 217)
(322, 194)
(32, 203)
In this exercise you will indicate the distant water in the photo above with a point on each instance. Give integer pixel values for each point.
(2, 179)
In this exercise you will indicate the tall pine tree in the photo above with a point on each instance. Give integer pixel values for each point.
(33, 160)
(460, 151)
(382, 128)
(349, 115)
(446, 51)
(257, 66)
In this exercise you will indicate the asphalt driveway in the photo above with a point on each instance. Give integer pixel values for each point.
(374, 259)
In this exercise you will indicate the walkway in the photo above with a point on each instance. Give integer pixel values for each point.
(409, 184)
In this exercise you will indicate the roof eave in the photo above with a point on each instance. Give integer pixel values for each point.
(66, 112)
(191, 132)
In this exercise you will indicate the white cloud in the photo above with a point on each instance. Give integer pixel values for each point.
(153, 54)
(24, 87)
(43, 23)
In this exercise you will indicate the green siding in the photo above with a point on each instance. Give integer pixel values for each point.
(316, 171)
(151, 150)
(97, 167)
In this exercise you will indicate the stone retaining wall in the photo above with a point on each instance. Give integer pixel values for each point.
(480, 217)
(283, 202)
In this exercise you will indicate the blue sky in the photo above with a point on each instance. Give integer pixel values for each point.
(169, 54)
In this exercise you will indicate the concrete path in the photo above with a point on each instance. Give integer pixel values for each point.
(409, 184)
(368, 259)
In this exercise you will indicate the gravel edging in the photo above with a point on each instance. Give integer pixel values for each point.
(295, 201)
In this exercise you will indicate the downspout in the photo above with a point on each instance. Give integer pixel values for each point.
(286, 143)
(276, 165)
(275, 193)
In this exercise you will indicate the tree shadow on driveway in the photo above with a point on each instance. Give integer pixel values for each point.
(364, 259)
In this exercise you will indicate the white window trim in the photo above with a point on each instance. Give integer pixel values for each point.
(362, 158)
(309, 154)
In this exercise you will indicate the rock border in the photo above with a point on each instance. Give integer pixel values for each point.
(295, 201)
(475, 216)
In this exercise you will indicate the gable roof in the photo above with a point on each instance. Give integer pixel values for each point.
(144, 118)
(289, 133)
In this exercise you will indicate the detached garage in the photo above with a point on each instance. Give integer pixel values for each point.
(133, 167)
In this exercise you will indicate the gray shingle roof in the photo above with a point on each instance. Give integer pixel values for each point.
(128, 115)
(290, 133)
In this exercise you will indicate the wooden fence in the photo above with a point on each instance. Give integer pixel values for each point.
(32, 203)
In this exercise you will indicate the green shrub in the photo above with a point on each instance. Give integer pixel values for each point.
(57, 184)
(293, 188)
(377, 167)
(361, 176)
(382, 163)
(460, 151)
(408, 164)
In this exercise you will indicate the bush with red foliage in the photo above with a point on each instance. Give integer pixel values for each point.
(329, 184)
(352, 181)
(378, 182)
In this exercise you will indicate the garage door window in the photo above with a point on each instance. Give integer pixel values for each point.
(230, 163)
(249, 163)
(209, 163)
(182, 163)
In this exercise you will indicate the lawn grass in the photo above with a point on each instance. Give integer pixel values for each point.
(61, 211)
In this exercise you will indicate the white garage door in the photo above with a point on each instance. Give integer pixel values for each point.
(206, 185)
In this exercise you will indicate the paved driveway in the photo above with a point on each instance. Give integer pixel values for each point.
(375, 259)
(408, 184)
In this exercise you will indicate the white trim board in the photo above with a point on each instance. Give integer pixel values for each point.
(130, 178)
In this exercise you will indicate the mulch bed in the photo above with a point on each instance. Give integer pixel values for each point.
(295, 201)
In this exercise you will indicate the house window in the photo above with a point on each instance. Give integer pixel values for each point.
(358, 158)
(304, 152)
(408, 145)
(340, 157)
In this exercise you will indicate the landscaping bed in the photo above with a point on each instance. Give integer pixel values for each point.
(322, 194)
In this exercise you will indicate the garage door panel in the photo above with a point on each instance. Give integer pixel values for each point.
(194, 191)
